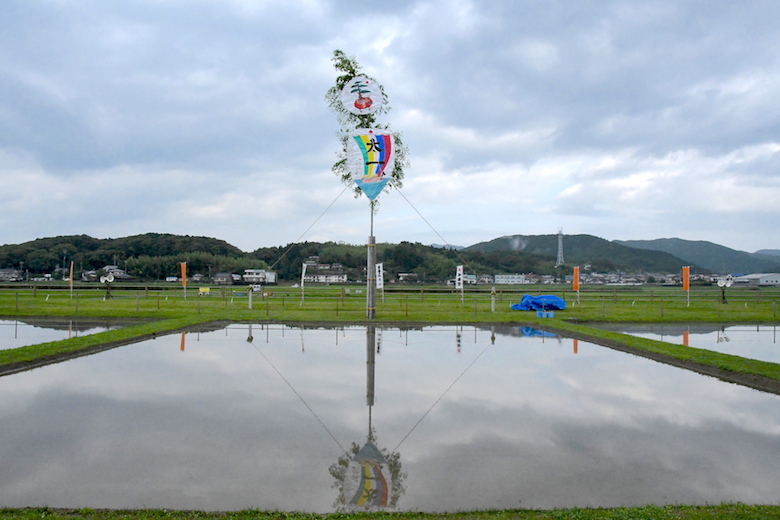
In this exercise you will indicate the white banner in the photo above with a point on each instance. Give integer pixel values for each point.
(380, 276)
(459, 278)
(361, 96)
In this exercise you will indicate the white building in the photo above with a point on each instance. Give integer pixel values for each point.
(325, 277)
(261, 276)
(511, 279)
(760, 279)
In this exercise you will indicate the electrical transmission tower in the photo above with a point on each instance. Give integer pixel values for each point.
(559, 260)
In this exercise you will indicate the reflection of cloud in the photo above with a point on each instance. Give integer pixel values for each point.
(591, 464)
(216, 427)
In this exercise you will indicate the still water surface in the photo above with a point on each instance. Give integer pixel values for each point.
(15, 333)
(750, 341)
(481, 418)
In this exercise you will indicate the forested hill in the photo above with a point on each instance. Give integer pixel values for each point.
(152, 255)
(717, 258)
(601, 254)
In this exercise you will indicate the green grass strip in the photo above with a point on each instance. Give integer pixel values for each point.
(730, 511)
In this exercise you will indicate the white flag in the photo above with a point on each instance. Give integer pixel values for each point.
(459, 278)
(380, 276)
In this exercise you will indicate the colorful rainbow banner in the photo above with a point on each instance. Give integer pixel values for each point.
(371, 159)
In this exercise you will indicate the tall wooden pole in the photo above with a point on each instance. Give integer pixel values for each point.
(371, 271)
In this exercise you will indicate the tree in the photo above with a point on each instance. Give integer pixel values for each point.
(350, 68)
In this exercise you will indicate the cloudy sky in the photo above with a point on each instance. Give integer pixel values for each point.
(624, 120)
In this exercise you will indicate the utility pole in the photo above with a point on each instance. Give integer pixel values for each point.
(559, 259)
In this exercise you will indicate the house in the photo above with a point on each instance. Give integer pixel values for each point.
(115, 271)
(10, 275)
(223, 278)
(511, 279)
(325, 277)
(259, 276)
(324, 273)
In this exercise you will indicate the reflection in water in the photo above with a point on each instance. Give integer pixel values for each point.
(368, 478)
(750, 341)
(33, 330)
(510, 421)
(530, 332)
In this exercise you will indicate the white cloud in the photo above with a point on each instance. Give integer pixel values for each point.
(622, 121)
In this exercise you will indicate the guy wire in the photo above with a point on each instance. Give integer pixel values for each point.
(434, 230)
(442, 396)
(308, 228)
(299, 397)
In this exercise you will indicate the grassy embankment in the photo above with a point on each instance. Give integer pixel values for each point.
(336, 304)
(676, 512)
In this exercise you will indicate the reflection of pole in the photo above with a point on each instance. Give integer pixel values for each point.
(370, 368)
(371, 271)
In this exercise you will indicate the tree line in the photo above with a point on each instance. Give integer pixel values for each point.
(155, 256)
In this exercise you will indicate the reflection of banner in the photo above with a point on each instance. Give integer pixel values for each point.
(576, 279)
(366, 483)
(371, 159)
(686, 278)
(380, 276)
(459, 278)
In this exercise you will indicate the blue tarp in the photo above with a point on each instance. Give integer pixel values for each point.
(545, 302)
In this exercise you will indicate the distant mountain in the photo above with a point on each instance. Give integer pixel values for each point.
(716, 258)
(602, 254)
(153, 256)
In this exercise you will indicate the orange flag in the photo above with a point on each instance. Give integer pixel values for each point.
(686, 278)
(184, 274)
(576, 279)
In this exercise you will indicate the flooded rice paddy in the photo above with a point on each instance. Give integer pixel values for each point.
(15, 333)
(750, 341)
(440, 418)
